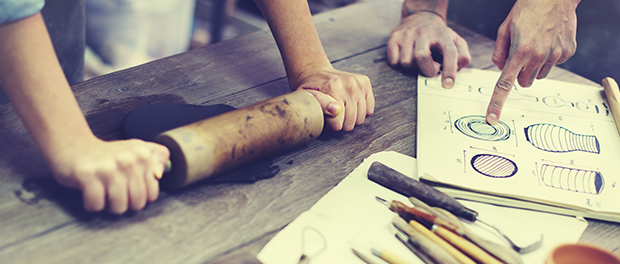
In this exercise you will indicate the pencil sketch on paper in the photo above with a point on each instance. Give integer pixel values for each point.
(557, 102)
(572, 179)
(553, 138)
(484, 91)
(513, 96)
(494, 166)
(551, 101)
(456, 87)
(476, 126)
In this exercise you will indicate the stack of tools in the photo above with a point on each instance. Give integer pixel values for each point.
(430, 228)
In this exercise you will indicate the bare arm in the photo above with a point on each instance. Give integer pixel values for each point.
(346, 97)
(121, 172)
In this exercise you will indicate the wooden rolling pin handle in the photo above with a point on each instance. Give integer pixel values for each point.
(221, 143)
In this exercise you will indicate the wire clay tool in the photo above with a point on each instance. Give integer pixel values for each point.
(396, 181)
(305, 238)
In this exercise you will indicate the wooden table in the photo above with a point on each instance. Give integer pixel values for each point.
(42, 222)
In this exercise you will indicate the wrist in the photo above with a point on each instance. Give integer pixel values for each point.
(296, 79)
(409, 12)
(436, 7)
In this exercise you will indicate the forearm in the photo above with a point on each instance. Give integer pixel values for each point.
(291, 24)
(33, 80)
(439, 7)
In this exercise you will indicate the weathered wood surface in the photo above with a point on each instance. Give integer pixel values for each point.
(42, 222)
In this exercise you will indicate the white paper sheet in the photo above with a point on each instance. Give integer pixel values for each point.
(556, 141)
(349, 214)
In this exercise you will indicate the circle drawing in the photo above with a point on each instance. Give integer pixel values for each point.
(477, 127)
(494, 166)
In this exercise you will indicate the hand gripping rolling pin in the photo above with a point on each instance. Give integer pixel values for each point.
(221, 143)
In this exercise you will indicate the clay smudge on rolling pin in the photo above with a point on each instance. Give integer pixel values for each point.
(281, 111)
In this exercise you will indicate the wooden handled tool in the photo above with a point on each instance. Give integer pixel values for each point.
(613, 95)
(218, 144)
(394, 180)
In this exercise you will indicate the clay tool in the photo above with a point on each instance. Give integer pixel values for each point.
(363, 256)
(503, 253)
(443, 218)
(450, 248)
(388, 256)
(306, 257)
(413, 246)
(402, 209)
(613, 95)
(457, 241)
(218, 144)
(396, 181)
(427, 246)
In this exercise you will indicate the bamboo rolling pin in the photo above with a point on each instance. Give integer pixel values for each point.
(221, 143)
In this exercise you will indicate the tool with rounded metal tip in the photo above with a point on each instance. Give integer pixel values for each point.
(430, 196)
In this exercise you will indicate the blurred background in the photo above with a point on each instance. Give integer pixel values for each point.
(125, 33)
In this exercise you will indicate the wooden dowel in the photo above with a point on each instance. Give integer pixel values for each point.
(613, 94)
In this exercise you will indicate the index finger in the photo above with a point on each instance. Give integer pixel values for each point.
(450, 64)
(501, 91)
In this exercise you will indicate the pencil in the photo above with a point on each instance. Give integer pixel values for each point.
(611, 91)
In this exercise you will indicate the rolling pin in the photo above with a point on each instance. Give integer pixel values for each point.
(223, 142)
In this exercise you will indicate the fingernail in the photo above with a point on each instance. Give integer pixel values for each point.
(159, 171)
(492, 119)
(333, 109)
(448, 82)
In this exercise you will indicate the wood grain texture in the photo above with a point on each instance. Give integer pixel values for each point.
(220, 223)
